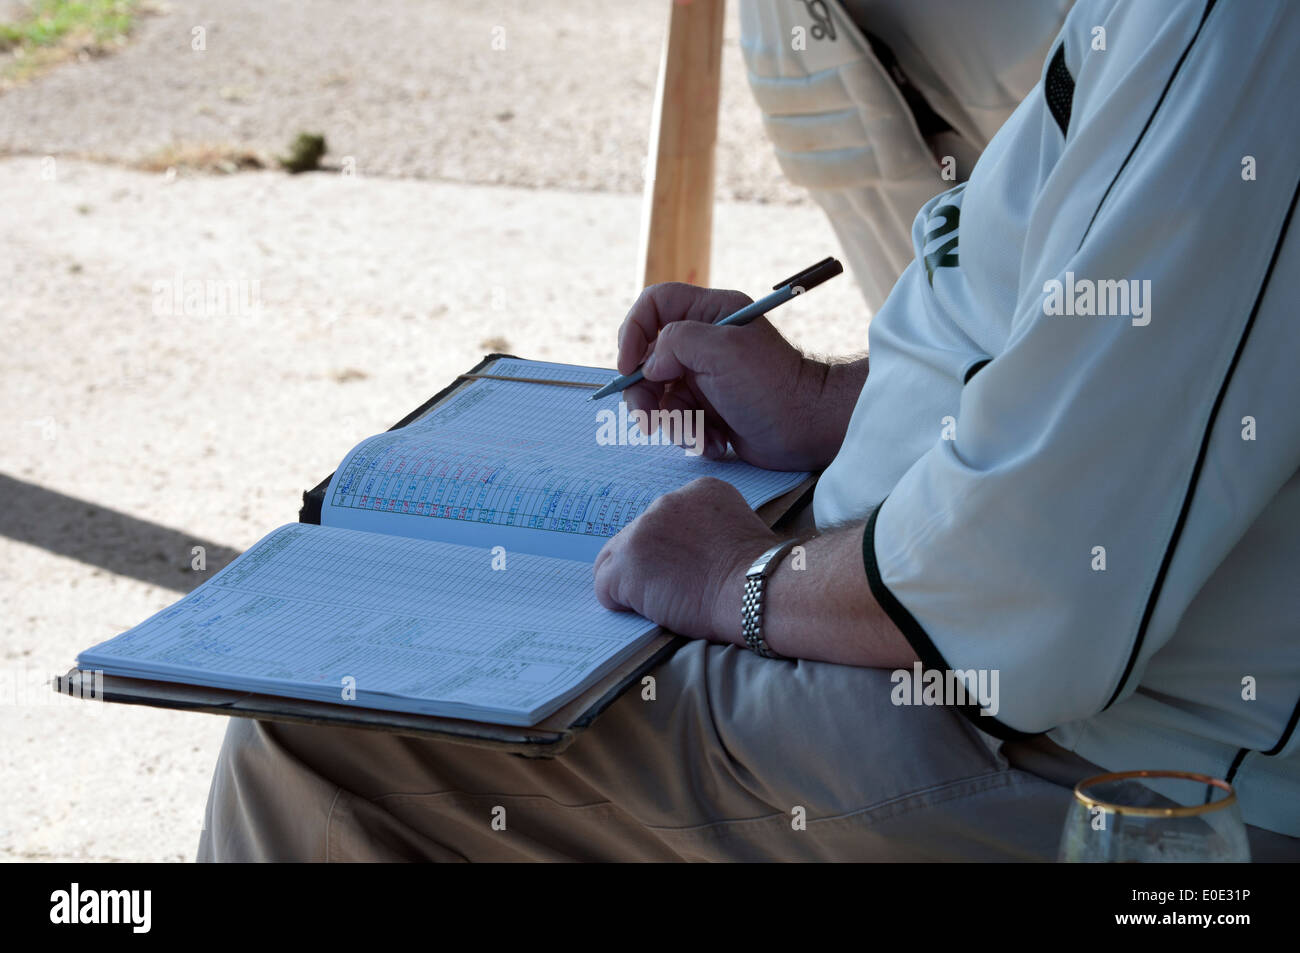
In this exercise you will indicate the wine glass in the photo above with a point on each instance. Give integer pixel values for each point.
(1154, 817)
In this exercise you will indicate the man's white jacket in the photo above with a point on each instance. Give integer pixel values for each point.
(1078, 448)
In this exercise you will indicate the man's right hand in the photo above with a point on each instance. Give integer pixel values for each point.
(757, 391)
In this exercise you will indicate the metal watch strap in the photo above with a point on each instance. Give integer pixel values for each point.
(751, 604)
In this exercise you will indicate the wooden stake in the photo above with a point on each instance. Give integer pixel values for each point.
(677, 218)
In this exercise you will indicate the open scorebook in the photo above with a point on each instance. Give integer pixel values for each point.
(451, 573)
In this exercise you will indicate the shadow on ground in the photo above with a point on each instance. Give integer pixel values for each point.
(112, 540)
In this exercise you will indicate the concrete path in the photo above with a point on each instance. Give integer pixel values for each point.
(548, 94)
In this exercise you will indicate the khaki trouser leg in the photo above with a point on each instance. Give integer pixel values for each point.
(723, 765)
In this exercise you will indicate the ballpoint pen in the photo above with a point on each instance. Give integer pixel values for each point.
(805, 280)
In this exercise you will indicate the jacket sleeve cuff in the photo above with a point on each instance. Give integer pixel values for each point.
(931, 658)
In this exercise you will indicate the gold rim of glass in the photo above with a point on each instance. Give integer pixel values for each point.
(1181, 811)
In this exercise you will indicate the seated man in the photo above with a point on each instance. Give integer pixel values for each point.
(1073, 467)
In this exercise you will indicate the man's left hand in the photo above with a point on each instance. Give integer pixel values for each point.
(682, 562)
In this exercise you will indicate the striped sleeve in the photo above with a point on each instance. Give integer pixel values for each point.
(1038, 542)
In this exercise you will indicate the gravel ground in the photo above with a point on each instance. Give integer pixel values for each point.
(410, 88)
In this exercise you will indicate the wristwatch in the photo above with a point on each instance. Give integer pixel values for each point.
(751, 604)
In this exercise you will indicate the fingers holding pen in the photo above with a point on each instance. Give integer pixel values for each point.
(663, 305)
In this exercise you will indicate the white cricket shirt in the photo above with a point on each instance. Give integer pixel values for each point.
(1078, 446)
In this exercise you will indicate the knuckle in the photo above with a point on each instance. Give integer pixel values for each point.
(665, 289)
(700, 489)
(668, 504)
(656, 508)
